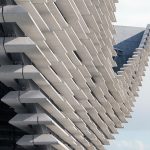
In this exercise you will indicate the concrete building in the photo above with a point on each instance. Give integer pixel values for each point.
(60, 86)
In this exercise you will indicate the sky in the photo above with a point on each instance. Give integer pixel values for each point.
(133, 12)
(136, 133)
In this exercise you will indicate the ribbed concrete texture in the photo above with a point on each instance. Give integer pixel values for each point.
(58, 58)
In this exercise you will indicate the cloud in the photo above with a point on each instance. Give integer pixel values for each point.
(133, 13)
(128, 145)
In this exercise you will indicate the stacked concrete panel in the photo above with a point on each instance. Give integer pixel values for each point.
(66, 94)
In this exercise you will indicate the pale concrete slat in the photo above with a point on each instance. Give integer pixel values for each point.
(23, 120)
(16, 13)
(41, 139)
(29, 7)
(38, 97)
(28, 75)
(86, 71)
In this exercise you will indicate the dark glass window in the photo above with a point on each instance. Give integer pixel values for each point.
(7, 2)
(10, 30)
(8, 133)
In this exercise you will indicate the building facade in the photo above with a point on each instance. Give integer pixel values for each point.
(59, 86)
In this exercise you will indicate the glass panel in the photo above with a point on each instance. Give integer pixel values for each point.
(8, 133)
(7, 2)
(10, 30)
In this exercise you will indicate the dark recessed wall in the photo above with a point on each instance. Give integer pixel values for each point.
(8, 133)
(127, 40)
(7, 2)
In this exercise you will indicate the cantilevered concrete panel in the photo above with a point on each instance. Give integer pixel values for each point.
(60, 65)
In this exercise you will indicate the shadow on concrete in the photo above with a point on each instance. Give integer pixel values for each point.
(125, 49)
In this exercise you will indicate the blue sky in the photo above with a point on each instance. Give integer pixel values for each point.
(136, 134)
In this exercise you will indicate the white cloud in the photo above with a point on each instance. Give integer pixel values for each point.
(133, 12)
(127, 145)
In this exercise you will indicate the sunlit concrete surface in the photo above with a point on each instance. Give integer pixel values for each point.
(58, 60)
